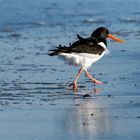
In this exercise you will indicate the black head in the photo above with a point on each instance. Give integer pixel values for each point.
(100, 32)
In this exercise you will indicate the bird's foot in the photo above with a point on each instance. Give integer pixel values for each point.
(95, 81)
(74, 86)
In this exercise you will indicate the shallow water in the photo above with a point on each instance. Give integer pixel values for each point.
(32, 83)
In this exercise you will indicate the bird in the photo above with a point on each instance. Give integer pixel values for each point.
(84, 52)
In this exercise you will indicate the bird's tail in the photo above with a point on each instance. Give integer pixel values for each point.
(55, 52)
(58, 50)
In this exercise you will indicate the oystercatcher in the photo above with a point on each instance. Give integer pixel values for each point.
(85, 51)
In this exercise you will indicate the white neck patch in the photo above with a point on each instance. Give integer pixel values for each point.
(102, 44)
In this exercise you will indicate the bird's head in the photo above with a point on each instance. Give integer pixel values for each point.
(103, 33)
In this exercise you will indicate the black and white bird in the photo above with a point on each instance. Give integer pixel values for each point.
(85, 52)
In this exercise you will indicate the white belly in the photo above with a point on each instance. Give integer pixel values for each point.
(82, 59)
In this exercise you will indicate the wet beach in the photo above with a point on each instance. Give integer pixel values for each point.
(35, 100)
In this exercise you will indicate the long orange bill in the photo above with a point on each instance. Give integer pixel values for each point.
(115, 38)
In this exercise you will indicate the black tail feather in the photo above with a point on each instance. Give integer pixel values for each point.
(53, 53)
(80, 38)
(58, 50)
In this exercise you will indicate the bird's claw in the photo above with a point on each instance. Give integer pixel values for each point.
(95, 81)
(74, 86)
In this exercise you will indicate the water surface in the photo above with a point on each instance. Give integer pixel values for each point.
(35, 102)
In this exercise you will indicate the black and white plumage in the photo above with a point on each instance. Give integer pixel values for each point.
(85, 51)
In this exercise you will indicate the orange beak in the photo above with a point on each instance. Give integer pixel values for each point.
(115, 38)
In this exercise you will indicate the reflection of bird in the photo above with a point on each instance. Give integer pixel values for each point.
(85, 51)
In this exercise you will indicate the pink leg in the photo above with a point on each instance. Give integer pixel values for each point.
(74, 83)
(93, 79)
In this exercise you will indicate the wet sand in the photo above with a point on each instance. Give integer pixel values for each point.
(35, 101)
(71, 117)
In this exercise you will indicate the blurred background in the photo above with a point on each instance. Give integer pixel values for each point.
(35, 102)
(28, 29)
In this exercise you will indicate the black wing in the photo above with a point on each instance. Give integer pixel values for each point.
(83, 45)
(89, 45)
